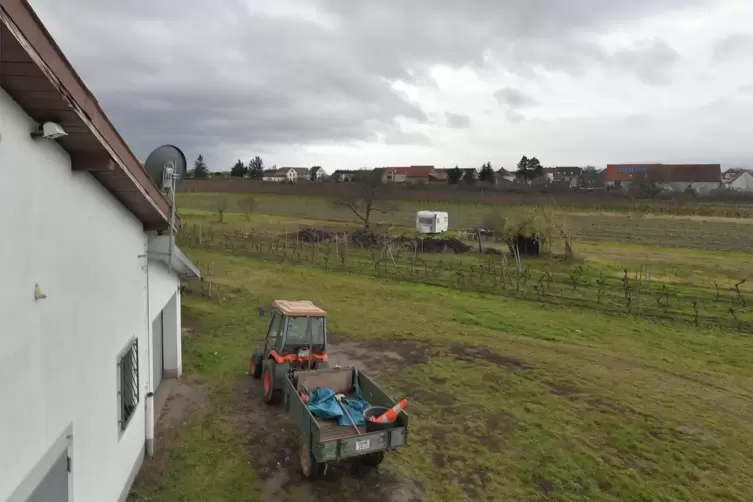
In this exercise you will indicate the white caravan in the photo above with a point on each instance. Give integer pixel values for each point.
(432, 222)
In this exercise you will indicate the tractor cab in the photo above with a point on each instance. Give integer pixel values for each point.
(296, 339)
(296, 331)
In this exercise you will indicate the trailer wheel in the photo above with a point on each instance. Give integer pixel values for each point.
(373, 459)
(310, 468)
(271, 396)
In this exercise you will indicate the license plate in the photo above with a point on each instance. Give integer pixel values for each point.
(303, 353)
(363, 445)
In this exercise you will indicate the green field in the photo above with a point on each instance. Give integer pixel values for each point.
(694, 232)
(514, 395)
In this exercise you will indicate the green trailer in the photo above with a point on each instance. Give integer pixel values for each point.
(324, 441)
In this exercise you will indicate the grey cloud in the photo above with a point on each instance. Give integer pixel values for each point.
(731, 47)
(652, 61)
(399, 137)
(514, 98)
(239, 73)
(514, 117)
(457, 120)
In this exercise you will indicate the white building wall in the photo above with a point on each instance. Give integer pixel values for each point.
(743, 183)
(162, 286)
(173, 351)
(58, 355)
(163, 290)
(701, 187)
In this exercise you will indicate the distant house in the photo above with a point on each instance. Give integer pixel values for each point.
(548, 174)
(316, 173)
(505, 175)
(273, 175)
(412, 174)
(701, 178)
(289, 174)
(344, 175)
(591, 178)
(569, 175)
(740, 180)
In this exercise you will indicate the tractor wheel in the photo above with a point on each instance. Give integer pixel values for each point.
(310, 468)
(321, 365)
(373, 459)
(255, 366)
(271, 396)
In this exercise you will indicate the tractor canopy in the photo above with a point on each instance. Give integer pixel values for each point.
(298, 325)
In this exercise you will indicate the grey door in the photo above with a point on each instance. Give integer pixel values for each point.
(157, 351)
(54, 486)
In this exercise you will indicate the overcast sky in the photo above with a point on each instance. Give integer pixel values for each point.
(345, 83)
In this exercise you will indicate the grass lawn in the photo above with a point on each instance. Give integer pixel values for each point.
(510, 400)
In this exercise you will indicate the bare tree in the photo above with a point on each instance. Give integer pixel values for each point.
(369, 197)
(248, 206)
(220, 204)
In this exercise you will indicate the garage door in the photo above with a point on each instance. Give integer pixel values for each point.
(157, 351)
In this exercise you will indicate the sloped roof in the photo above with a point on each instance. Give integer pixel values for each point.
(568, 170)
(738, 173)
(732, 174)
(37, 75)
(691, 173)
(411, 171)
(679, 173)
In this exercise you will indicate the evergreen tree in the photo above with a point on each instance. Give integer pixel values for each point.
(239, 169)
(200, 169)
(256, 168)
(454, 175)
(529, 169)
(487, 173)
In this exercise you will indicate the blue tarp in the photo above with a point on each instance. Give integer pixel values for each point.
(323, 404)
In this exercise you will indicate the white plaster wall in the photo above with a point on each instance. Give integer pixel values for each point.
(702, 187)
(162, 287)
(172, 353)
(743, 183)
(58, 355)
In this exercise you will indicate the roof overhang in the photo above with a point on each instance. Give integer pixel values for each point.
(159, 250)
(36, 74)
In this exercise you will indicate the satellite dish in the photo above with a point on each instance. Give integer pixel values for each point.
(166, 165)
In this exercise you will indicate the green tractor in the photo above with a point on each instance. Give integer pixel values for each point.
(296, 340)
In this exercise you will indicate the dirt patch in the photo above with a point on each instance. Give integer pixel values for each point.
(432, 396)
(272, 439)
(544, 485)
(188, 401)
(471, 352)
(377, 357)
(562, 389)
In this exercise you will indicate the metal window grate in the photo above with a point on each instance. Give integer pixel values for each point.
(129, 383)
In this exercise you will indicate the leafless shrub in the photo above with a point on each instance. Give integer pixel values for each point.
(220, 204)
(248, 206)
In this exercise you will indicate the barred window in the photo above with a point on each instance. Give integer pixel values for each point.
(128, 383)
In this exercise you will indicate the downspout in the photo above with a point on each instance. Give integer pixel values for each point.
(149, 391)
(172, 222)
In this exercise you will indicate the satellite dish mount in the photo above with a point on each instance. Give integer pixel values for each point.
(166, 165)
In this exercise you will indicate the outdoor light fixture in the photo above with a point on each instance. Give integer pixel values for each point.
(49, 130)
(38, 293)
